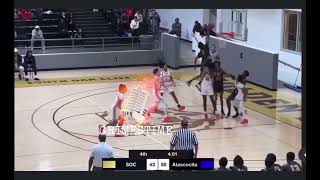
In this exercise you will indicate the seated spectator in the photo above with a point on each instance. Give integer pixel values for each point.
(269, 164)
(134, 26)
(72, 29)
(37, 14)
(29, 64)
(176, 28)
(238, 164)
(124, 22)
(15, 13)
(291, 165)
(36, 36)
(129, 12)
(273, 157)
(63, 16)
(78, 34)
(139, 16)
(25, 15)
(223, 164)
(18, 64)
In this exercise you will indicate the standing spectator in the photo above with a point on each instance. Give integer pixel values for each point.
(124, 22)
(140, 20)
(223, 162)
(29, 64)
(273, 158)
(238, 164)
(139, 16)
(18, 63)
(63, 17)
(134, 26)
(155, 22)
(99, 151)
(185, 139)
(37, 35)
(176, 28)
(291, 165)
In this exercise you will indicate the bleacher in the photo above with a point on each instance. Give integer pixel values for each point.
(49, 26)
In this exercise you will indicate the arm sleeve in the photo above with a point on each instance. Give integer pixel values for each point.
(195, 140)
(173, 139)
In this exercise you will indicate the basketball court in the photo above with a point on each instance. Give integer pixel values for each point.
(57, 119)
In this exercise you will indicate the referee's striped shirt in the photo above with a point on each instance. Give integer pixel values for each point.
(184, 139)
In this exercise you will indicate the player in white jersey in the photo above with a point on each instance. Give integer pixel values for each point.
(238, 101)
(116, 108)
(158, 98)
(167, 85)
(206, 87)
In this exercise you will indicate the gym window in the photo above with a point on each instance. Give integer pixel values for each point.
(291, 31)
(239, 24)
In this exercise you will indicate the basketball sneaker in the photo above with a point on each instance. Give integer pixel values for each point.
(181, 108)
(167, 120)
(205, 115)
(235, 116)
(244, 121)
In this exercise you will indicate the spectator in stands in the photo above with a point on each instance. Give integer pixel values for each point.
(155, 22)
(238, 164)
(139, 16)
(72, 29)
(197, 27)
(15, 34)
(99, 151)
(269, 165)
(273, 158)
(124, 22)
(176, 28)
(18, 64)
(15, 13)
(37, 14)
(29, 64)
(129, 12)
(185, 139)
(24, 14)
(63, 28)
(36, 36)
(63, 17)
(291, 165)
(134, 26)
(140, 20)
(223, 162)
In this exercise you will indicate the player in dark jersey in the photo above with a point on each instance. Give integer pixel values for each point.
(204, 54)
(231, 97)
(217, 77)
(291, 165)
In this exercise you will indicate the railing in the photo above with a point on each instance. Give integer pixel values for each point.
(135, 42)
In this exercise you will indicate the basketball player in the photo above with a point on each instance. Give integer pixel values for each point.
(204, 54)
(117, 117)
(218, 73)
(206, 87)
(238, 101)
(158, 98)
(244, 75)
(167, 85)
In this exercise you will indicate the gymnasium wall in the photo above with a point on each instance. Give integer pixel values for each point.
(187, 18)
(97, 59)
(236, 57)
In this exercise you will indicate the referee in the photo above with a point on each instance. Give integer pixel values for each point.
(185, 139)
(99, 151)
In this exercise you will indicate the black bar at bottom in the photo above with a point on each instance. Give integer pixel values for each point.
(124, 164)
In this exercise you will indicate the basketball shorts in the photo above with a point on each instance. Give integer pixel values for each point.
(218, 86)
(238, 104)
(206, 90)
(167, 89)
